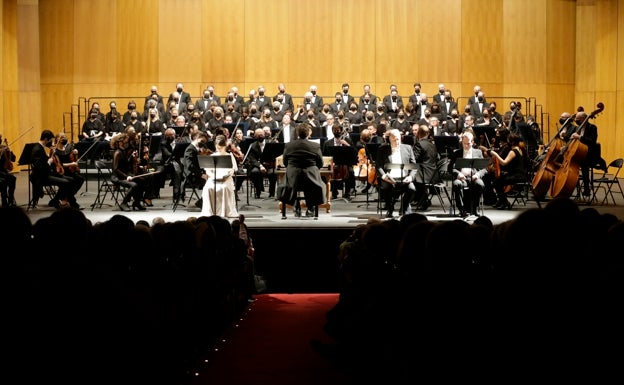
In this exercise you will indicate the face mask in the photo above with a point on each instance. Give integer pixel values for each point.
(93, 116)
(179, 89)
(261, 139)
(353, 108)
(310, 116)
(480, 98)
(340, 116)
(427, 115)
(401, 116)
(253, 111)
(325, 109)
(562, 121)
(417, 90)
(169, 139)
(454, 116)
(63, 141)
(338, 100)
(206, 95)
(367, 100)
(152, 115)
(276, 108)
(313, 92)
(261, 93)
(49, 144)
(308, 100)
(267, 115)
(131, 107)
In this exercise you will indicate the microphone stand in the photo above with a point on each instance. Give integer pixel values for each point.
(247, 181)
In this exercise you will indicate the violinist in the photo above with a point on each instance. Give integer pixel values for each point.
(344, 175)
(170, 166)
(125, 172)
(46, 170)
(7, 180)
(235, 143)
(365, 167)
(512, 169)
(67, 156)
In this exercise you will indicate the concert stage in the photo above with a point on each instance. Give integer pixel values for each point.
(295, 254)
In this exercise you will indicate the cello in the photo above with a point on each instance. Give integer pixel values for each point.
(574, 153)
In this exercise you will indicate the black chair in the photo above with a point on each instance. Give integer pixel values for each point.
(106, 186)
(608, 181)
(437, 185)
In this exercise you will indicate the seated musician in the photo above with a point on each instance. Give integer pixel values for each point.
(469, 178)
(168, 164)
(8, 181)
(396, 182)
(303, 159)
(47, 170)
(194, 175)
(257, 169)
(125, 172)
(67, 155)
(512, 169)
(344, 175)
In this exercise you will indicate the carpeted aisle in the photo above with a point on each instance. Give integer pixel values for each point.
(271, 345)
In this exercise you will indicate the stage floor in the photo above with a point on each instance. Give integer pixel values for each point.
(264, 212)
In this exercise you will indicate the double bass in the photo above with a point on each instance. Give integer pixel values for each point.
(548, 161)
(573, 153)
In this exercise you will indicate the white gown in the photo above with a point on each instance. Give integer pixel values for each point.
(224, 195)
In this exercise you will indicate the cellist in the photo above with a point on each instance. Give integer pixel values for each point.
(587, 133)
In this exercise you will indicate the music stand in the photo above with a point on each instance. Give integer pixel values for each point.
(24, 159)
(245, 146)
(344, 156)
(371, 150)
(489, 132)
(214, 162)
(446, 144)
(473, 164)
(403, 167)
(230, 127)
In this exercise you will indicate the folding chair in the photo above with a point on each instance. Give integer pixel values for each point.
(106, 186)
(437, 185)
(608, 181)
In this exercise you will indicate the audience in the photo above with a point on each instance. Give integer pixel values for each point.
(411, 303)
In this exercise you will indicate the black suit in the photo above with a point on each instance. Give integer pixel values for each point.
(254, 161)
(303, 159)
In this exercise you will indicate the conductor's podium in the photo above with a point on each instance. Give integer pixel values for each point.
(326, 171)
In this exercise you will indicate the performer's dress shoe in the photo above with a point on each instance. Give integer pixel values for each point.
(124, 207)
(505, 205)
(298, 212)
(389, 214)
(136, 206)
(148, 203)
(310, 212)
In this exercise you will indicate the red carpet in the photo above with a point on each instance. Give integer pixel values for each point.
(271, 344)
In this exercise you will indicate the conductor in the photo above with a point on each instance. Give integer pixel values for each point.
(303, 160)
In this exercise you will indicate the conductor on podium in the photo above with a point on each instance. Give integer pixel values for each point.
(303, 159)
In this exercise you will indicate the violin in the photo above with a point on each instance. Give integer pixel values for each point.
(58, 166)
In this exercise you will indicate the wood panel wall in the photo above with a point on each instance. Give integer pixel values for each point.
(554, 54)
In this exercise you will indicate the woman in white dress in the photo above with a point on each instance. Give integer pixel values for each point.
(221, 194)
